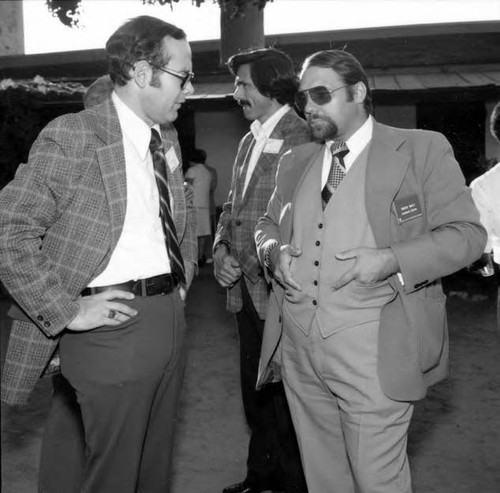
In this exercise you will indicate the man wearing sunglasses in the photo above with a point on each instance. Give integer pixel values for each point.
(98, 249)
(265, 87)
(362, 225)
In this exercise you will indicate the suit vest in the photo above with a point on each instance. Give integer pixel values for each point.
(321, 235)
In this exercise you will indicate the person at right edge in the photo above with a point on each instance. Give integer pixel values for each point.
(361, 227)
(265, 87)
(486, 194)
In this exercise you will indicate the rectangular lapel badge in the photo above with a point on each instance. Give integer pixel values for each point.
(273, 146)
(407, 208)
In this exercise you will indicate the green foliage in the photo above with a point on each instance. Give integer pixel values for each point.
(68, 11)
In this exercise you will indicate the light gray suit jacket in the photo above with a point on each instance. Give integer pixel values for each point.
(413, 337)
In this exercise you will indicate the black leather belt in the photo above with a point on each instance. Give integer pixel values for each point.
(162, 284)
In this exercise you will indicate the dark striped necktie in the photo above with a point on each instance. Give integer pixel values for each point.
(160, 169)
(337, 170)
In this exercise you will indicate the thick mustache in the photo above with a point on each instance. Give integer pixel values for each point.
(243, 102)
(314, 118)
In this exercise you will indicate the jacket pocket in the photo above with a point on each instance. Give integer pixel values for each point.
(432, 330)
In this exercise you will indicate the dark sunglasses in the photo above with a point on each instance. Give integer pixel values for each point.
(184, 77)
(319, 95)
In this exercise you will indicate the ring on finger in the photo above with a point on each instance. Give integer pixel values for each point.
(112, 314)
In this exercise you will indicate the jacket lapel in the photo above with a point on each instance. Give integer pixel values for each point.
(175, 183)
(264, 163)
(385, 172)
(239, 177)
(267, 159)
(312, 154)
(111, 159)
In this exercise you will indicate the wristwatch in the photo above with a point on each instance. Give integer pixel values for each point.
(222, 242)
(267, 255)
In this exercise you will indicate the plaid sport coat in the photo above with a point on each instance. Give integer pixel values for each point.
(241, 212)
(60, 219)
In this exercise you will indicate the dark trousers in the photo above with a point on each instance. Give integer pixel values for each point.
(273, 454)
(62, 457)
(127, 382)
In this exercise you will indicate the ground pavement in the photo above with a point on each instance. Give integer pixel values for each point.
(454, 440)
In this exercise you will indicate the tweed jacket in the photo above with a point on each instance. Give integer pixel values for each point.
(240, 212)
(60, 220)
(404, 166)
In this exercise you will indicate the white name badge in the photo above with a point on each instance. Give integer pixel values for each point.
(273, 146)
(172, 159)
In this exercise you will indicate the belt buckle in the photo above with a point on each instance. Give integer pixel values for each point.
(152, 285)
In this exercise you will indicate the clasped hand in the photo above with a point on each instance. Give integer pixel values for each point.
(227, 269)
(371, 266)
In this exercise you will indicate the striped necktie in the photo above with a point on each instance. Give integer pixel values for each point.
(160, 169)
(337, 170)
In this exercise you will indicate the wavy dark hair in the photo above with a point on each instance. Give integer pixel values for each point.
(272, 72)
(140, 38)
(197, 156)
(344, 64)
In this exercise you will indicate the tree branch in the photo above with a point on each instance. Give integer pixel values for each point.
(68, 11)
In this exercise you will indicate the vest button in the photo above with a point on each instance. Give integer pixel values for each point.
(320, 225)
(315, 302)
(46, 324)
(39, 318)
(238, 222)
(315, 283)
(318, 243)
(316, 263)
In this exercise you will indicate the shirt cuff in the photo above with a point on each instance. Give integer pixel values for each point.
(400, 277)
(267, 255)
(220, 243)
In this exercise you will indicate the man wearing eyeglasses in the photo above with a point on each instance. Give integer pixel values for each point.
(98, 249)
(265, 87)
(362, 225)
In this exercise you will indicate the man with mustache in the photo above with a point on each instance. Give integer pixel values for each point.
(362, 225)
(266, 85)
(98, 249)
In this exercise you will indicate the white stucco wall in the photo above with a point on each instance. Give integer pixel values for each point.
(218, 133)
(11, 28)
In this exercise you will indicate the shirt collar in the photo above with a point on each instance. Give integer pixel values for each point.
(357, 142)
(264, 130)
(136, 130)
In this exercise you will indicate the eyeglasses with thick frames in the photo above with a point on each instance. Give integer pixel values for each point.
(319, 95)
(184, 77)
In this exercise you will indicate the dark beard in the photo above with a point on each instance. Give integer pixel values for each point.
(327, 131)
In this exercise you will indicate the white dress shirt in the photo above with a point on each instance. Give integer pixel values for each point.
(356, 143)
(261, 133)
(486, 194)
(141, 251)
